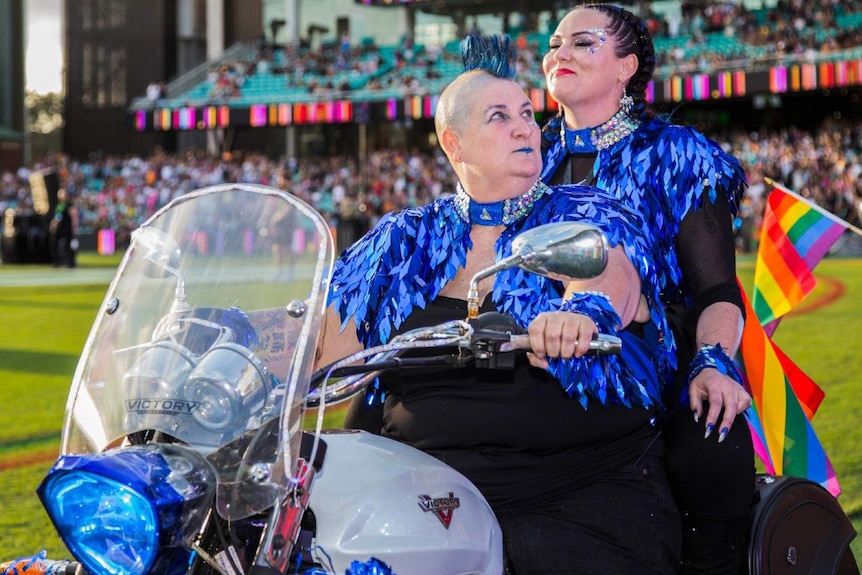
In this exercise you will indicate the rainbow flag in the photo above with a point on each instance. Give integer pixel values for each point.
(794, 237)
(780, 424)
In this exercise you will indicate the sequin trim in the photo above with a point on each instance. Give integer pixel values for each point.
(585, 140)
(504, 212)
(408, 257)
(712, 356)
(603, 377)
(662, 171)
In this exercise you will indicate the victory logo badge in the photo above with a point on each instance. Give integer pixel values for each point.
(442, 507)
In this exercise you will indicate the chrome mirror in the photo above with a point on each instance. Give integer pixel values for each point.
(163, 258)
(560, 250)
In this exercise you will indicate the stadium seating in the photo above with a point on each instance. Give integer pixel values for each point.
(397, 75)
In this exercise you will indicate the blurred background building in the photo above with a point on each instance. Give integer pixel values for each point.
(306, 77)
(12, 112)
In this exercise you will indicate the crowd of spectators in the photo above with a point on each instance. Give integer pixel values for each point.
(120, 193)
(824, 166)
(789, 31)
(329, 67)
(792, 30)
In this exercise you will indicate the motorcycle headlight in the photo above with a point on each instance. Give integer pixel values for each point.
(152, 387)
(132, 510)
(229, 385)
(159, 371)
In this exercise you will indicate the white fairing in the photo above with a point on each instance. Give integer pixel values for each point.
(367, 500)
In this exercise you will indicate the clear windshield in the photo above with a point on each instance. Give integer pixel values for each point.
(206, 337)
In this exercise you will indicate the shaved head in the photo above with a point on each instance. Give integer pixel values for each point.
(487, 128)
(454, 106)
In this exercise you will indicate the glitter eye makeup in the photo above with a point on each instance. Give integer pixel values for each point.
(591, 40)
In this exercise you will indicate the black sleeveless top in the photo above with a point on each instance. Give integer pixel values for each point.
(514, 433)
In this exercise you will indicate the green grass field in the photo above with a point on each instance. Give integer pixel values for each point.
(44, 329)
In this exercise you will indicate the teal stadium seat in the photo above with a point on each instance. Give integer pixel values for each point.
(271, 87)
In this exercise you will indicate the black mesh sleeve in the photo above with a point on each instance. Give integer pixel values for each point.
(707, 255)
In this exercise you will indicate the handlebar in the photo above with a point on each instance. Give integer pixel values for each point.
(602, 344)
(491, 341)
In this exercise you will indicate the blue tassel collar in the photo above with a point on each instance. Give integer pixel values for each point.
(502, 213)
(577, 141)
(590, 140)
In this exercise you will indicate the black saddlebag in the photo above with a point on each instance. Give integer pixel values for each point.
(799, 528)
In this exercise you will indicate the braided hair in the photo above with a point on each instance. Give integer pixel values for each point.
(632, 37)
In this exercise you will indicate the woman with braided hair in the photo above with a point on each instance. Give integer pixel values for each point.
(686, 188)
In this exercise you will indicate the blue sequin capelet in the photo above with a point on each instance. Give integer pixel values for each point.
(407, 258)
(662, 171)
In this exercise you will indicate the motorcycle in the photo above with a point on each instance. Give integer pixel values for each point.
(183, 447)
(193, 440)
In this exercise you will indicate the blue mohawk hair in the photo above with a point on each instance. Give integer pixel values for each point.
(493, 54)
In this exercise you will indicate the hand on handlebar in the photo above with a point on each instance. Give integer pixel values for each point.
(560, 334)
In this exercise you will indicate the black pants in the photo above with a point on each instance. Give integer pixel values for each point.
(626, 523)
(714, 488)
(713, 482)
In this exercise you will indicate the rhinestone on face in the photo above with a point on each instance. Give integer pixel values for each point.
(601, 35)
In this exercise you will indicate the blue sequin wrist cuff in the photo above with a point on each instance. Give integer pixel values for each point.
(605, 378)
(597, 306)
(715, 357)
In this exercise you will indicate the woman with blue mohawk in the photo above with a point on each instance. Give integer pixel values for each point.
(563, 446)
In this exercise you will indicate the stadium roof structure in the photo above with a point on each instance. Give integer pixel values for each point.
(470, 7)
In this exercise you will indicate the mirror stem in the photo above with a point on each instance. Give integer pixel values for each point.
(473, 292)
(180, 304)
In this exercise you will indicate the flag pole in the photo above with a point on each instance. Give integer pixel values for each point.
(823, 211)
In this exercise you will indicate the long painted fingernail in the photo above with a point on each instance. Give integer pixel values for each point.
(709, 428)
(696, 416)
(722, 434)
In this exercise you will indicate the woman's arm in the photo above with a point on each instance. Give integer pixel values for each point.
(621, 283)
(719, 323)
(565, 334)
(707, 256)
(335, 343)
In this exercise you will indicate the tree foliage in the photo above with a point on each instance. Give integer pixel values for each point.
(45, 112)
(44, 123)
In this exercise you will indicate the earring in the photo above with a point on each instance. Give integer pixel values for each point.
(562, 117)
(626, 102)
